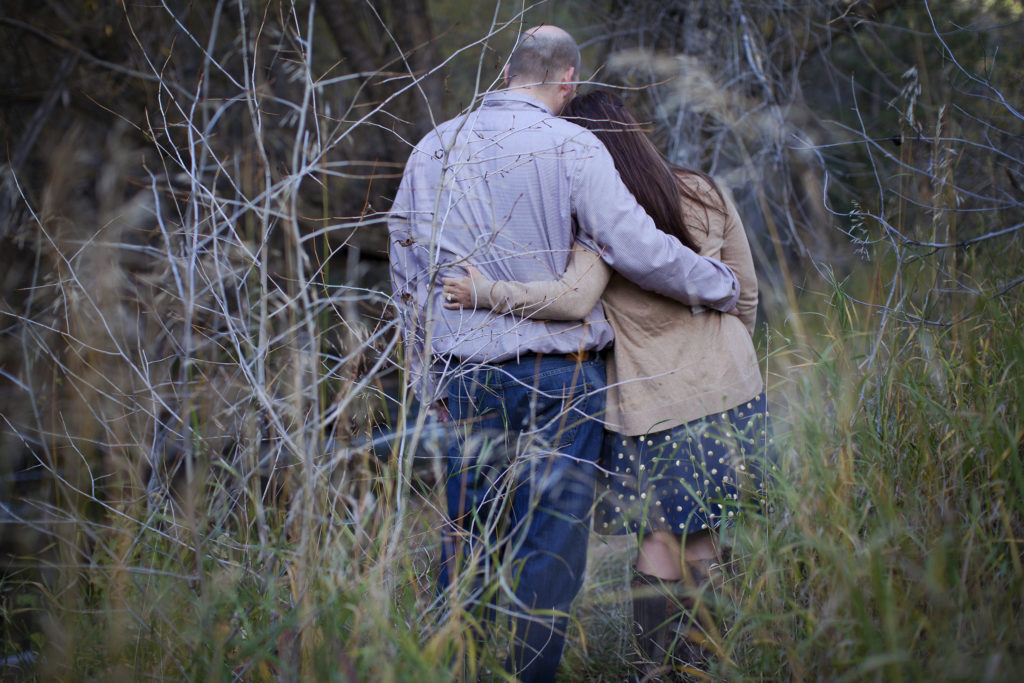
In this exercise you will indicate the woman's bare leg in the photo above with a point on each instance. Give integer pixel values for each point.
(662, 554)
(700, 550)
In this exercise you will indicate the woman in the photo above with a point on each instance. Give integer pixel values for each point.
(687, 420)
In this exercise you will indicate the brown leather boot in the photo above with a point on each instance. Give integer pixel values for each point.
(668, 637)
(650, 616)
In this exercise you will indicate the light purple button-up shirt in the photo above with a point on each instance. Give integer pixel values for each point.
(498, 189)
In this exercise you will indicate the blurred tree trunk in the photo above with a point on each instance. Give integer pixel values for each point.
(370, 36)
(390, 44)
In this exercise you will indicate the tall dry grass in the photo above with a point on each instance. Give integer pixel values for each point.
(893, 548)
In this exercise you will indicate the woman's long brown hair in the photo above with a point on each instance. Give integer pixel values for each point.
(647, 174)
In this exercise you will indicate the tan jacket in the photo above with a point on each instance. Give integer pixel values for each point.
(671, 364)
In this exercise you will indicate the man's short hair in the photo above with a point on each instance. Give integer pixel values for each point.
(540, 56)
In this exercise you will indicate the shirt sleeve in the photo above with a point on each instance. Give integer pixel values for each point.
(617, 227)
(408, 266)
(571, 297)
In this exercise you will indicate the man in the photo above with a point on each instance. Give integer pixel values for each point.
(499, 188)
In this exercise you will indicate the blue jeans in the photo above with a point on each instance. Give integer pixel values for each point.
(519, 491)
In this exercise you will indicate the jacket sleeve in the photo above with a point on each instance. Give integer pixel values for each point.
(571, 297)
(736, 255)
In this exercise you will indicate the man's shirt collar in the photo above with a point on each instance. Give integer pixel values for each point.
(505, 97)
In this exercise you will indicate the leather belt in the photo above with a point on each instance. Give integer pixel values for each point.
(574, 357)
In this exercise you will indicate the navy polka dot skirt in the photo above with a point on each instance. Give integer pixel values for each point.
(688, 478)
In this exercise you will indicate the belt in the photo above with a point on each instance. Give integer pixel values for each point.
(574, 357)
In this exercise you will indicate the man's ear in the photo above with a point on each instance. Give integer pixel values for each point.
(566, 87)
(567, 77)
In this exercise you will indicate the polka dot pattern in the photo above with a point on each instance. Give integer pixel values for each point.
(687, 478)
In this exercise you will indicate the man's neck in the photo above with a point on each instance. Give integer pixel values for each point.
(545, 95)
